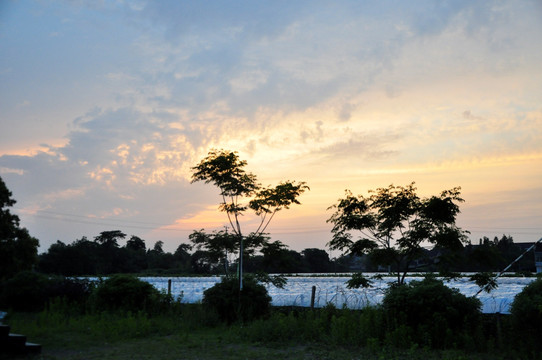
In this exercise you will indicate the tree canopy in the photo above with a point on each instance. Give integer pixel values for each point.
(394, 223)
(241, 191)
(18, 250)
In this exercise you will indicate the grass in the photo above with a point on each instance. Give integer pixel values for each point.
(192, 333)
(159, 328)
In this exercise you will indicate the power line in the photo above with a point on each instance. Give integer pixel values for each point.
(82, 219)
(502, 230)
(79, 219)
(144, 225)
(90, 217)
(507, 228)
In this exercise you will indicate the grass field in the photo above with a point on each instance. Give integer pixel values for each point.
(190, 335)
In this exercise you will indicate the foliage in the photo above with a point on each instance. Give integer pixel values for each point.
(30, 291)
(76, 259)
(233, 305)
(358, 280)
(26, 291)
(110, 238)
(486, 281)
(18, 250)
(394, 222)
(127, 293)
(430, 313)
(85, 257)
(226, 171)
(316, 260)
(327, 333)
(526, 310)
(136, 243)
(279, 281)
(277, 258)
(189, 335)
(215, 248)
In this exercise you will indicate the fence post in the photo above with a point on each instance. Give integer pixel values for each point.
(169, 287)
(312, 296)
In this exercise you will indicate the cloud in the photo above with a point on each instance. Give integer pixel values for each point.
(469, 116)
(115, 160)
(294, 85)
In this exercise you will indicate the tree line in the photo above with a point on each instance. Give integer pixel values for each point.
(103, 255)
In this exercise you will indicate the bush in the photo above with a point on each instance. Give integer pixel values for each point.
(526, 310)
(127, 293)
(231, 305)
(71, 290)
(31, 291)
(430, 314)
(26, 291)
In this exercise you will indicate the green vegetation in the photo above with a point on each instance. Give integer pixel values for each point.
(526, 313)
(192, 332)
(239, 192)
(393, 223)
(18, 250)
(129, 294)
(231, 305)
(123, 317)
(31, 291)
(423, 320)
(428, 313)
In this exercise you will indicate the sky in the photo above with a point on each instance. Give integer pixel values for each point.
(106, 105)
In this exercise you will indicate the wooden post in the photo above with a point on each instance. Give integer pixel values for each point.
(313, 296)
(169, 287)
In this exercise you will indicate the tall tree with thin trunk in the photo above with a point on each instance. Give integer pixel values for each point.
(240, 192)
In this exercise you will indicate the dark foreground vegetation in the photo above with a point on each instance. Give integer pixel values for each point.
(125, 318)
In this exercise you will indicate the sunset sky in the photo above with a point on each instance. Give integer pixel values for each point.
(106, 105)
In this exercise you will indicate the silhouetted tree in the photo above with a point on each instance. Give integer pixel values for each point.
(394, 222)
(136, 243)
(216, 247)
(158, 259)
(159, 246)
(182, 257)
(109, 256)
(277, 258)
(110, 238)
(226, 171)
(74, 259)
(136, 255)
(316, 260)
(18, 250)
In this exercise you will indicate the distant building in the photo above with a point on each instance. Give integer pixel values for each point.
(537, 254)
(538, 258)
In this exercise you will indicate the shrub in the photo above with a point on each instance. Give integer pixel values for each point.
(31, 291)
(26, 291)
(72, 290)
(526, 310)
(231, 305)
(434, 315)
(127, 293)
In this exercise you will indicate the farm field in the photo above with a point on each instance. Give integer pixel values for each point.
(332, 289)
